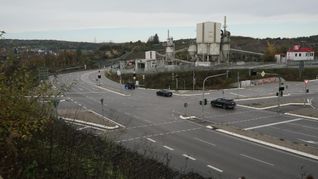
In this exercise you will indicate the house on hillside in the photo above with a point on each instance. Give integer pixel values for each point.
(298, 53)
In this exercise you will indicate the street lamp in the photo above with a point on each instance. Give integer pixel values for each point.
(203, 85)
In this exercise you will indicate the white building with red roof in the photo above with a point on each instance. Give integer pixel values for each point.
(298, 53)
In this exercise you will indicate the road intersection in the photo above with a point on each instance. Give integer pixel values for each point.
(152, 121)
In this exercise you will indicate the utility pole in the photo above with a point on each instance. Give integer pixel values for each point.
(238, 80)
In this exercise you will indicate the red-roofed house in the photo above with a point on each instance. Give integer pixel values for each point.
(298, 53)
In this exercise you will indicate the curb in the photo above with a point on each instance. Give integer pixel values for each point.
(88, 123)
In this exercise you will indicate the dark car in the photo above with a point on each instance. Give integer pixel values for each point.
(165, 93)
(130, 86)
(223, 103)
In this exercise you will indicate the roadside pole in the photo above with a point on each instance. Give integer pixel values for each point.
(203, 89)
(306, 91)
(238, 80)
(279, 94)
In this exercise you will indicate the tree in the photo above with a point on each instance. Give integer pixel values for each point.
(2, 33)
(156, 39)
(269, 52)
(153, 39)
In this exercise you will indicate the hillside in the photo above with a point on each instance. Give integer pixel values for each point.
(238, 42)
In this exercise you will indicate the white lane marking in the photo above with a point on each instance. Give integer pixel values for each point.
(121, 94)
(214, 168)
(308, 141)
(189, 117)
(237, 94)
(203, 141)
(161, 134)
(189, 157)
(258, 160)
(297, 115)
(188, 95)
(275, 106)
(273, 124)
(255, 98)
(169, 148)
(151, 140)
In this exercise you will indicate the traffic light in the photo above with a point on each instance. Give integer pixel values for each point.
(200, 102)
(307, 90)
(134, 76)
(205, 101)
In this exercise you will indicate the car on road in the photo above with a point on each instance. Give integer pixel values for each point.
(165, 93)
(130, 86)
(223, 103)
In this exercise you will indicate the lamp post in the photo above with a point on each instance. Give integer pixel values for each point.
(203, 85)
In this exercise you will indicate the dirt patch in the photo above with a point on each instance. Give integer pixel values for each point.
(270, 139)
(306, 112)
(85, 115)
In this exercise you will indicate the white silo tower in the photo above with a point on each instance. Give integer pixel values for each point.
(170, 49)
(208, 40)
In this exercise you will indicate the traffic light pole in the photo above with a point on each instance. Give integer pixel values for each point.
(203, 89)
(279, 94)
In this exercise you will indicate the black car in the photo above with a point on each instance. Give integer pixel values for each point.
(223, 103)
(130, 86)
(165, 93)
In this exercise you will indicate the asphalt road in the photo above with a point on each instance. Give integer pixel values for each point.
(153, 123)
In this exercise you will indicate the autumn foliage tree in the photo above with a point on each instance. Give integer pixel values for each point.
(270, 51)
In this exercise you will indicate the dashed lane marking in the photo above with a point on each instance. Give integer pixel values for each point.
(160, 134)
(189, 157)
(169, 148)
(203, 141)
(214, 168)
(255, 159)
(151, 140)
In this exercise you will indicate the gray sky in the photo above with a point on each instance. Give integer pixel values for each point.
(256, 18)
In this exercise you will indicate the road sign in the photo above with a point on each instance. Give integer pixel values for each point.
(263, 73)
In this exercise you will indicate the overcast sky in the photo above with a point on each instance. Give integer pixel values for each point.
(131, 20)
